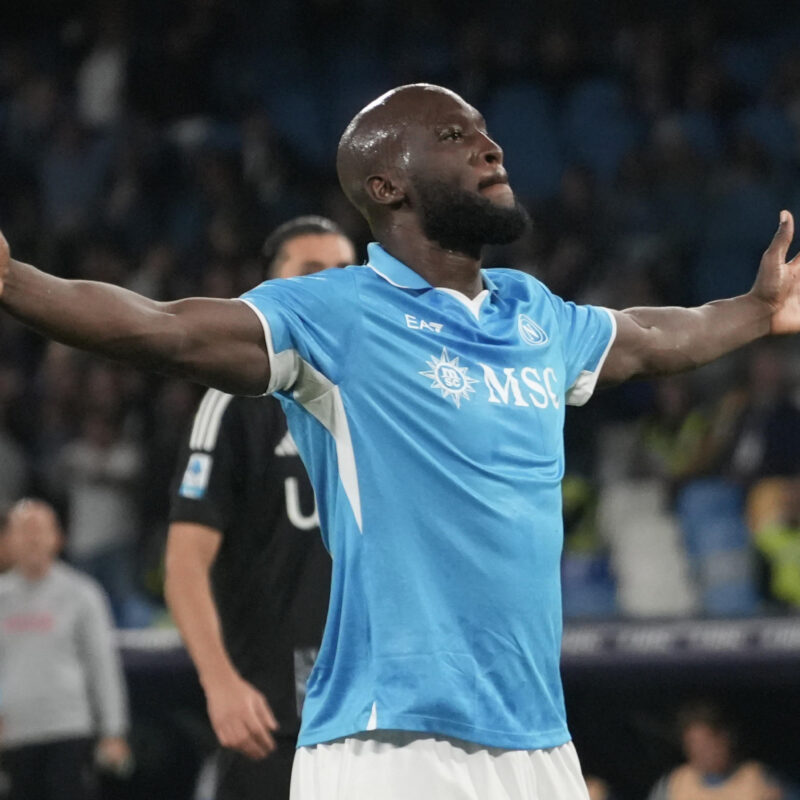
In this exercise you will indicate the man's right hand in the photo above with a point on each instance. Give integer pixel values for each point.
(241, 717)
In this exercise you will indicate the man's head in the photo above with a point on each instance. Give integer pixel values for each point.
(707, 738)
(33, 537)
(305, 245)
(422, 150)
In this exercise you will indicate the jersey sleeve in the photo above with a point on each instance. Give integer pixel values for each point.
(105, 682)
(587, 333)
(204, 485)
(308, 326)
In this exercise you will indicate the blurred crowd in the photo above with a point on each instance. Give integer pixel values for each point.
(155, 145)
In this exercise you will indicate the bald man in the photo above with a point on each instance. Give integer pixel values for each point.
(426, 397)
(61, 683)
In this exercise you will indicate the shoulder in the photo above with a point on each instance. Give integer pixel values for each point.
(518, 285)
(81, 585)
(9, 582)
(330, 281)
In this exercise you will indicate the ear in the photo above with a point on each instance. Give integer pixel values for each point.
(382, 190)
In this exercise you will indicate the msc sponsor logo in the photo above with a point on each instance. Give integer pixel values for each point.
(449, 378)
(533, 387)
(526, 387)
(530, 332)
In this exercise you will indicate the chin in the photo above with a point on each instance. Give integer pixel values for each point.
(505, 201)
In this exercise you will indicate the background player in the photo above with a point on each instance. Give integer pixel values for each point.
(438, 490)
(244, 521)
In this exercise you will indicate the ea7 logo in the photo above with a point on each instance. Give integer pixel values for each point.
(531, 388)
(422, 325)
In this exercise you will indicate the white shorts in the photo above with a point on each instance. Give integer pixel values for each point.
(403, 765)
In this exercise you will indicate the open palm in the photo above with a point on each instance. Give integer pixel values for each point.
(778, 281)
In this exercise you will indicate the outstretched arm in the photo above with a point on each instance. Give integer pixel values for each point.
(661, 341)
(219, 343)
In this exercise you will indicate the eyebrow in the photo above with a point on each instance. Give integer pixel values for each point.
(460, 117)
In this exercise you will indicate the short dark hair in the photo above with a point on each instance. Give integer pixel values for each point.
(299, 226)
(705, 712)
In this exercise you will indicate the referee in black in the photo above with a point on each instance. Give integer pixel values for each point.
(248, 578)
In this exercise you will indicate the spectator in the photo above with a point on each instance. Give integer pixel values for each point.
(774, 516)
(713, 766)
(60, 679)
(100, 470)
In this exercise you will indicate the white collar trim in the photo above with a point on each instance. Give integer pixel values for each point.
(474, 305)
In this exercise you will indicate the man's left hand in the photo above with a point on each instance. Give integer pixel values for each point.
(778, 281)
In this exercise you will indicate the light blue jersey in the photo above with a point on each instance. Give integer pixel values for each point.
(432, 429)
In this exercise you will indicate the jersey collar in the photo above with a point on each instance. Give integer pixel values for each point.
(398, 274)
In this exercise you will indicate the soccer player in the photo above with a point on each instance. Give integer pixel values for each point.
(426, 397)
(244, 521)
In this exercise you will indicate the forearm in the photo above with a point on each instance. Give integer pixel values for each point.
(219, 343)
(662, 341)
(100, 317)
(190, 599)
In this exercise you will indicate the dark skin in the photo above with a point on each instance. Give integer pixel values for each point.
(413, 130)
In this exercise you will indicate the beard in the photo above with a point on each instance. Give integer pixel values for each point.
(464, 221)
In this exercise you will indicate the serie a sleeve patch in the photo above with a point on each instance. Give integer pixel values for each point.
(195, 478)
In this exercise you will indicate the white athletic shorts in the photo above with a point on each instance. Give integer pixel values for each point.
(403, 765)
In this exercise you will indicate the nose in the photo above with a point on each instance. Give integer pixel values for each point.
(491, 152)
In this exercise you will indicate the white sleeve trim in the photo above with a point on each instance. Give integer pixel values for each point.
(208, 420)
(284, 366)
(583, 388)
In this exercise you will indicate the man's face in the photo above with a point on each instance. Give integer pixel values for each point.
(448, 142)
(32, 539)
(707, 749)
(456, 178)
(313, 252)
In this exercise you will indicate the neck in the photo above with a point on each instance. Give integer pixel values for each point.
(447, 269)
(35, 572)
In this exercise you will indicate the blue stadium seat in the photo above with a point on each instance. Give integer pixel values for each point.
(739, 227)
(718, 544)
(749, 63)
(771, 128)
(521, 119)
(702, 132)
(588, 587)
(295, 113)
(598, 128)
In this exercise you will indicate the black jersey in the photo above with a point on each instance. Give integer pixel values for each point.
(240, 473)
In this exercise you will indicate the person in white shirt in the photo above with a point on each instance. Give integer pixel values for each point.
(61, 683)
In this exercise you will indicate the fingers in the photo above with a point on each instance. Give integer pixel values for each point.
(236, 735)
(250, 738)
(261, 738)
(249, 729)
(783, 237)
(265, 714)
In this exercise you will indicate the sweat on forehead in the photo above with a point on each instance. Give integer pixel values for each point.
(373, 139)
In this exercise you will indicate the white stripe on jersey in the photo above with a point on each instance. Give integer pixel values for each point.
(200, 419)
(207, 420)
(214, 422)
